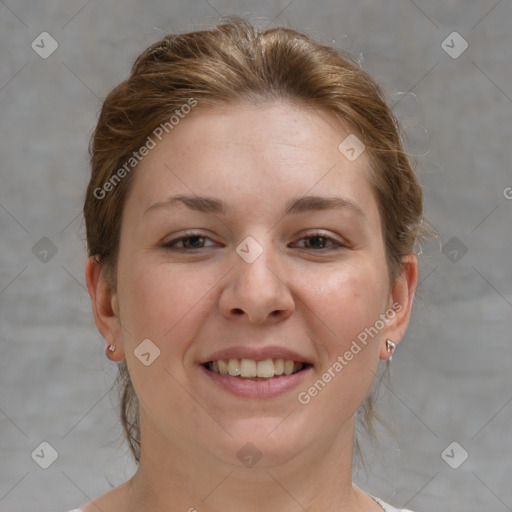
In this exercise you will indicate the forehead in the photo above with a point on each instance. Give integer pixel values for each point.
(253, 153)
(298, 128)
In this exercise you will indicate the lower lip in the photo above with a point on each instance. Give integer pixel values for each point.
(264, 388)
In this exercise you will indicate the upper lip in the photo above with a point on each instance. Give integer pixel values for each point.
(257, 354)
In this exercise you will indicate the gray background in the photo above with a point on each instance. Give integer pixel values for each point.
(451, 378)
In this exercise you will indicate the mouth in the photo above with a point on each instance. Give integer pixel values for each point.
(250, 369)
(254, 379)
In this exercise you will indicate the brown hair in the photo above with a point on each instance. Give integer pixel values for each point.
(234, 62)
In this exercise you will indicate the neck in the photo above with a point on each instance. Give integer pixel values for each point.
(180, 477)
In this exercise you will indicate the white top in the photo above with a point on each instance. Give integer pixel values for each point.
(385, 507)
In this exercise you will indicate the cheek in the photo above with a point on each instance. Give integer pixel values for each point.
(165, 306)
(349, 303)
(157, 298)
(346, 302)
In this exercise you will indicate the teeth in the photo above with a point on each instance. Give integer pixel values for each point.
(233, 367)
(248, 368)
(265, 368)
(223, 367)
(288, 367)
(279, 367)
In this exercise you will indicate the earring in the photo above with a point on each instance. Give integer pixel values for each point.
(111, 348)
(390, 347)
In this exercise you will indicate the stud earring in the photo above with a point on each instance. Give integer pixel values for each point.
(111, 348)
(390, 347)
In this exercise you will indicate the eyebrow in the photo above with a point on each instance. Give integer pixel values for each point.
(296, 205)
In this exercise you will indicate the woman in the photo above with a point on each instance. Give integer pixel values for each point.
(251, 220)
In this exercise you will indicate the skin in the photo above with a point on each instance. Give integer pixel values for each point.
(295, 294)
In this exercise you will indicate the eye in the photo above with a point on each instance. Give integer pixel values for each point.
(195, 241)
(190, 241)
(319, 240)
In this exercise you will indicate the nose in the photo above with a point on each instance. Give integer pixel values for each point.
(258, 290)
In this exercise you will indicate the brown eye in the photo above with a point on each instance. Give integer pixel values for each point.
(189, 242)
(319, 241)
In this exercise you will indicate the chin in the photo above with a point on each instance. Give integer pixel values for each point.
(261, 442)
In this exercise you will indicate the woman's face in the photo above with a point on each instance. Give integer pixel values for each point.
(274, 275)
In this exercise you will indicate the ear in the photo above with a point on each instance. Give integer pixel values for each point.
(105, 307)
(401, 299)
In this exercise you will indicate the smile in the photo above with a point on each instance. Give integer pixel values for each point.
(249, 368)
(249, 378)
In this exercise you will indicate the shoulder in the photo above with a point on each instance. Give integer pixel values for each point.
(114, 500)
(389, 508)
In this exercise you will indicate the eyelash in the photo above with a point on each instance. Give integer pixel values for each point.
(171, 243)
